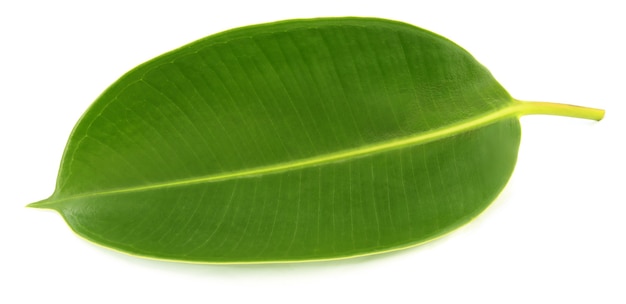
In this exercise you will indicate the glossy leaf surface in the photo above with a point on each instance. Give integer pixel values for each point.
(289, 141)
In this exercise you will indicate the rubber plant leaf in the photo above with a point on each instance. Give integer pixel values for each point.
(296, 140)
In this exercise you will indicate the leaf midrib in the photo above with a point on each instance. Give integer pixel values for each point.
(513, 109)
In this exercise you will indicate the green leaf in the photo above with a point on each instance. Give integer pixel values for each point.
(292, 141)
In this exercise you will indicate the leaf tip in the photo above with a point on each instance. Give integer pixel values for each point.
(43, 204)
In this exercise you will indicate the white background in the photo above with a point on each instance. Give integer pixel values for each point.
(557, 234)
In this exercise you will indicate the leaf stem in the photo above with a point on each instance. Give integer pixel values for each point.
(560, 109)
